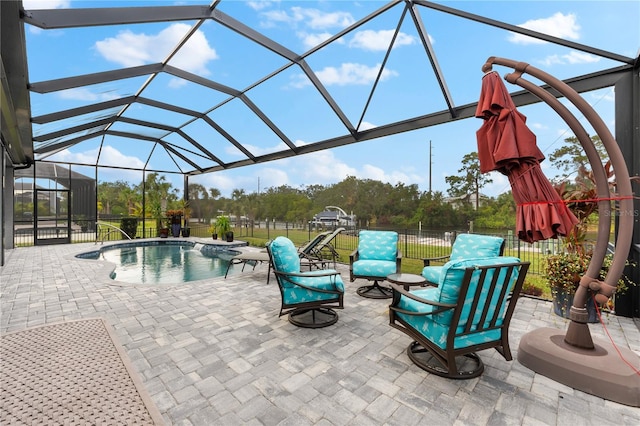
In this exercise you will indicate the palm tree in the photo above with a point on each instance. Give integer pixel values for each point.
(198, 196)
(238, 197)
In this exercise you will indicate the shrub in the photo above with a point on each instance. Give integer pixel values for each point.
(130, 226)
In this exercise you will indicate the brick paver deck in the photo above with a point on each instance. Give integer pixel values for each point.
(216, 352)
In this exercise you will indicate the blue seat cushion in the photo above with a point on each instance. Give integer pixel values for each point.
(293, 294)
(374, 268)
(432, 273)
(378, 245)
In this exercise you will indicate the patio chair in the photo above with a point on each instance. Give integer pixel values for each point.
(308, 297)
(250, 257)
(323, 249)
(308, 247)
(470, 311)
(465, 246)
(376, 257)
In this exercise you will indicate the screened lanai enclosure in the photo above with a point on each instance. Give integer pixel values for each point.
(74, 113)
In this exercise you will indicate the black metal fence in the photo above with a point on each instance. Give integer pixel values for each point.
(414, 243)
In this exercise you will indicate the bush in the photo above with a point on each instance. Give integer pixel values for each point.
(130, 226)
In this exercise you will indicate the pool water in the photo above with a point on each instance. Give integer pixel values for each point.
(165, 264)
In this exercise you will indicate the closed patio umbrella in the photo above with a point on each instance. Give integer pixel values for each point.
(507, 145)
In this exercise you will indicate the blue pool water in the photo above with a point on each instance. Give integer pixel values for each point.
(163, 263)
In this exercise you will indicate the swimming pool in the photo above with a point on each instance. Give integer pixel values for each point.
(164, 262)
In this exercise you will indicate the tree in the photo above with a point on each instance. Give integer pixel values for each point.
(238, 197)
(158, 193)
(198, 196)
(470, 181)
(570, 158)
(434, 212)
(214, 193)
(110, 195)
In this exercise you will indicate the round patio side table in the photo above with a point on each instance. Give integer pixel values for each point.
(407, 280)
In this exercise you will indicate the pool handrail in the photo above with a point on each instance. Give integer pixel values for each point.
(115, 228)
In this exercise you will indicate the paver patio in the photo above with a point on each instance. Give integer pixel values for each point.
(216, 352)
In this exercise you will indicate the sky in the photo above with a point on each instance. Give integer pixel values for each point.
(347, 68)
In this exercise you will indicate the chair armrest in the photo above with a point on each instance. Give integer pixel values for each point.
(427, 261)
(328, 273)
(286, 276)
(353, 256)
(399, 291)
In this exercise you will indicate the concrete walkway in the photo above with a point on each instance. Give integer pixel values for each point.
(216, 352)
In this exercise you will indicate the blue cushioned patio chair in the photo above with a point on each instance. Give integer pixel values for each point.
(470, 311)
(465, 246)
(376, 257)
(308, 297)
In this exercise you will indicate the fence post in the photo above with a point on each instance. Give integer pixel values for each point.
(406, 246)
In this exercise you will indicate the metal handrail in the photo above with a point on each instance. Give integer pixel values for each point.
(115, 228)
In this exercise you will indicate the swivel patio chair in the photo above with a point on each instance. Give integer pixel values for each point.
(465, 246)
(470, 311)
(376, 257)
(308, 297)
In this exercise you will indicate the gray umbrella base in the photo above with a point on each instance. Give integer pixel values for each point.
(600, 371)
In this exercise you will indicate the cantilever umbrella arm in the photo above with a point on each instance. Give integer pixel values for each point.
(604, 289)
(574, 359)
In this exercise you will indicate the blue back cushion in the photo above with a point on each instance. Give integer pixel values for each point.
(378, 245)
(470, 246)
(453, 273)
(285, 255)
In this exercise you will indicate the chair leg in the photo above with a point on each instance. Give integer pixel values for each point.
(465, 366)
(375, 291)
(313, 318)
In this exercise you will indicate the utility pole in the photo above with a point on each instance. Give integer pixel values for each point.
(430, 167)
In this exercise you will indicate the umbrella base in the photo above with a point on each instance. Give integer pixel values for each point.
(600, 371)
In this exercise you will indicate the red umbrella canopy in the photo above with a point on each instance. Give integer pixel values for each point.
(507, 145)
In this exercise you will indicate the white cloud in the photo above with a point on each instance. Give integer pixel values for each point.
(132, 49)
(499, 186)
(260, 4)
(571, 58)
(348, 74)
(353, 74)
(310, 40)
(558, 25)
(109, 156)
(317, 19)
(537, 126)
(365, 125)
(580, 58)
(392, 177)
(311, 18)
(84, 94)
(256, 150)
(379, 40)
(272, 178)
(321, 167)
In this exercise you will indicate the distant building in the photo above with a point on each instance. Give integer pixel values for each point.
(332, 217)
(457, 202)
